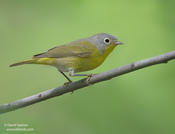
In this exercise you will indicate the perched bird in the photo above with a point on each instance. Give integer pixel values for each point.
(77, 56)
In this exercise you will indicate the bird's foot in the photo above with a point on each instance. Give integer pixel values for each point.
(67, 83)
(89, 78)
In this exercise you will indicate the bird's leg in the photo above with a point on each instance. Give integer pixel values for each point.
(69, 81)
(71, 73)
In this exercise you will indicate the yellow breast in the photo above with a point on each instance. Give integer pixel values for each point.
(78, 64)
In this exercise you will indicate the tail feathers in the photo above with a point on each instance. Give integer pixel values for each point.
(23, 62)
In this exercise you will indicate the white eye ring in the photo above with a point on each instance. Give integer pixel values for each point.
(107, 41)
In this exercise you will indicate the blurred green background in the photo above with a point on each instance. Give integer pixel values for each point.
(141, 102)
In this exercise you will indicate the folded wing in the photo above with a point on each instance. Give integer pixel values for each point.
(80, 48)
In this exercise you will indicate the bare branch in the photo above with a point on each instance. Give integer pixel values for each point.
(83, 82)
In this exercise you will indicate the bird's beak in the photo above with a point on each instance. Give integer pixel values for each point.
(118, 43)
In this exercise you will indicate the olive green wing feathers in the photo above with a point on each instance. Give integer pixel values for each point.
(81, 48)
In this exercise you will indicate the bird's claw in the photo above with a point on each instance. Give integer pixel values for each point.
(67, 83)
(89, 78)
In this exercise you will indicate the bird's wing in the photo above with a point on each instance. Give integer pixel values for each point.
(81, 48)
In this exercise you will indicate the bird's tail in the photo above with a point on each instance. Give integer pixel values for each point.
(31, 61)
(46, 61)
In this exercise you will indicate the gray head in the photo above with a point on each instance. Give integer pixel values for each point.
(103, 41)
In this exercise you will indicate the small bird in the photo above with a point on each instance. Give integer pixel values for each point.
(77, 56)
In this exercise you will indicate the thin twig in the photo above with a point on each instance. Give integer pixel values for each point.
(83, 82)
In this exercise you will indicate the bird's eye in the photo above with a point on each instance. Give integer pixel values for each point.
(107, 41)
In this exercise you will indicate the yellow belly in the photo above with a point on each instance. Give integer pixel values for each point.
(78, 64)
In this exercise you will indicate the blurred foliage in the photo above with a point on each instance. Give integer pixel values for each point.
(141, 102)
